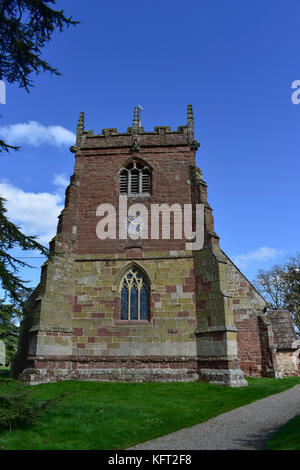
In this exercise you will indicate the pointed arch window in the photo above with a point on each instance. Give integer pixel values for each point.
(135, 179)
(134, 296)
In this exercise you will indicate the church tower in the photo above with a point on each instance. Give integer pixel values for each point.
(128, 297)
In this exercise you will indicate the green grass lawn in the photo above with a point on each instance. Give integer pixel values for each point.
(95, 415)
(287, 438)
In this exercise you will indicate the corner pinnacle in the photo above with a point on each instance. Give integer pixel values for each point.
(80, 129)
(80, 124)
(137, 117)
(190, 118)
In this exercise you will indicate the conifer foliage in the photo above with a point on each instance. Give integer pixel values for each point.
(11, 237)
(26, 26)
(9, 331)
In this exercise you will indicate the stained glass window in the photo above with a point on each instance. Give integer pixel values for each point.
(133, 303)
(124, 303)
(134, 296)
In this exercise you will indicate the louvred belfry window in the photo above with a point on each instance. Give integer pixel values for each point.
(134, 296)
(135, 179)
(123, 181)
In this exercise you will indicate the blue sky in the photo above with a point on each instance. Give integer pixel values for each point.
(233, 61)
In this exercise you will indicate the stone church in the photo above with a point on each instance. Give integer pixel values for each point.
(134, 308)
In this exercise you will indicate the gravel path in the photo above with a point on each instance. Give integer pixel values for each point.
(245, 428)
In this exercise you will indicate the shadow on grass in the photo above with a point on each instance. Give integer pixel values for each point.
(4, 372)
(287, 437)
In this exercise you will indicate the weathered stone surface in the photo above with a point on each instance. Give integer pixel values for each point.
(204, 315)
(286, 342)
(228, 377)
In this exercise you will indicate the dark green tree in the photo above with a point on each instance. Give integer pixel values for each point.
(9, 316)
(292, 295)
(26, 26)
(11, 236)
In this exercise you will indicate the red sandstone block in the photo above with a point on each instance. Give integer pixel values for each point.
(188, 288)
(116, 332)
(91, 339)
(218, 336)
(97, 288)
(172, 331)
(40, 365)
(81, 345)
(98, 315)
(183, 313)
(76, 308)
(116, 312)
(116, 315)
(103, 332)
(133, 252)
(201, 304)
(189, 280)
(170, 289)
(156, 297)
(78, 331)
(177, 365)
(206, 287)
(72, 299)
(107, 303)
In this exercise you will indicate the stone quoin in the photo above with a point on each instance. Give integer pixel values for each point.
(145, 309)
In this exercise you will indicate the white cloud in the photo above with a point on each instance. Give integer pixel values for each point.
(61, 180)
(34, 213)
(34, 133)
(262, 254)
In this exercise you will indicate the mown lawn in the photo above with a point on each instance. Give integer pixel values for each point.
(287, 438)
(95, 415)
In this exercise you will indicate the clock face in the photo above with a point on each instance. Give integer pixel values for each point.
(134, 225)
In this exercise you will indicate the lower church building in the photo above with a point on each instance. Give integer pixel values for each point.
(131, 295)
